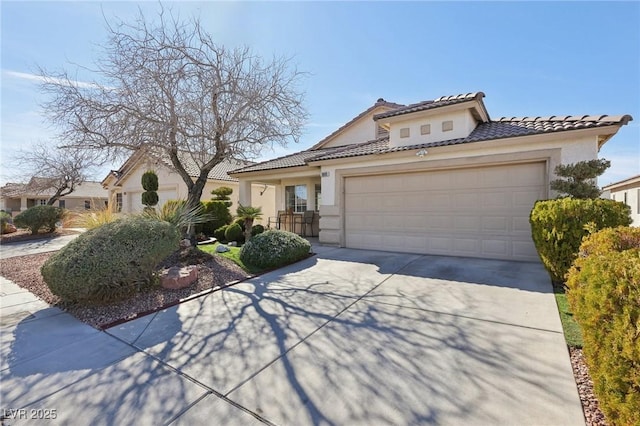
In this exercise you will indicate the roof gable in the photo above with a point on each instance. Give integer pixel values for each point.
(360, 128)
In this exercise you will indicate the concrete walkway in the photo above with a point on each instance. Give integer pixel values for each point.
(344, 337)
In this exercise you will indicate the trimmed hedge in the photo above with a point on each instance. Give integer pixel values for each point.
(273, 249)
(5, 221)
(39, 217)
(219, 211)
(257, 229)
(219, 233)
(233, 233)
(558, 226)
(604, 294)
(110, 262)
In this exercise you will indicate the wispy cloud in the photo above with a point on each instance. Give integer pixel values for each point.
(42, 79)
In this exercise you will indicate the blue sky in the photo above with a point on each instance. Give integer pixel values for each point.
(529, 58)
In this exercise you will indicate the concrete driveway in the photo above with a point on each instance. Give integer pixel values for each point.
(345, 337)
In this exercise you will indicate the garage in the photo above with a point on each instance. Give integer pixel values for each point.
(476, 211)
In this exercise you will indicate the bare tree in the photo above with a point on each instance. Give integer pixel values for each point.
(54, 169)
(166, 87)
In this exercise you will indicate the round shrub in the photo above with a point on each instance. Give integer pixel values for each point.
(112, 261)
(150, 198)
(558, 226)
(257, 229)
(219, 233)
(604, 295)
(233, 232)
(39, 217)
(149, 181)
(273, 249)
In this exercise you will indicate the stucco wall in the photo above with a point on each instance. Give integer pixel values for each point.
(171, 186)
(558, 149)
(463, 125)
(364, 129)
(631, 194)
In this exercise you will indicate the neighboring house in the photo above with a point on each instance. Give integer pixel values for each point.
(125, 188)
(17, 197)
(627, 191)
(436, 177)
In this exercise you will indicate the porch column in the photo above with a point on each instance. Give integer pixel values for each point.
(23, 203)
(244, 192)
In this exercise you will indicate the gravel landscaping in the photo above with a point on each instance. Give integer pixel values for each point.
(213, 272)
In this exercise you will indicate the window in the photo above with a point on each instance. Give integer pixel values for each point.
(296, 198)
(404, 132)
(119, 202)
(425, 129)
(43, 202)
(62, 204)
(625, 197)
(447, 125)
(318, 196)
(87, 204)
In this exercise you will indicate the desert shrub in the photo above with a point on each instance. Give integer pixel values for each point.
(219, 233)
(257, 229)
(39, 217)
(110, 262)
(5, 220)
(273, 249)
(220, 216)
(558, 226)
(604, 294)
(233, 232)
(177, 213)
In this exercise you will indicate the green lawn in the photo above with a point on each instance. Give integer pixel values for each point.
(233, 254)
(572, 333)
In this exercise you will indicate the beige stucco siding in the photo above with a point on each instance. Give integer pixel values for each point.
(477, 211)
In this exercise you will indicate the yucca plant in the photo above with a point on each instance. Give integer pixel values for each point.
(179, 214)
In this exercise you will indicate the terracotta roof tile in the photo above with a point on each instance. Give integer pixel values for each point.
(436, 103)
(499, 129)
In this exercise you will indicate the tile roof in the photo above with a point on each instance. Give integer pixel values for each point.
(379, 103)
(87, 189)
(627, 181)
(219, 172)
(499, 129)
(436, 103)
(505, 127)
(292, 160)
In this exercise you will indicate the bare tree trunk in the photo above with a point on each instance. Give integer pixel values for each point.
(248, 224)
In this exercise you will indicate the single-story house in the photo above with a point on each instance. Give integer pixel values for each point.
(17, 197)
(436, 177)
(125, 187)
(627, 191)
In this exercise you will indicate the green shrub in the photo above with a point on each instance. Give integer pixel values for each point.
(273, 249)
(558, 226)
(240, 221)
(604, 294)
(39, 217)
(150, 184)
(219, 212)
(233, 232)
(110, 262)
(219, 233)
(257, 229)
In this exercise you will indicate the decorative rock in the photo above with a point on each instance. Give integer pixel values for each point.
(186, 243)
(207, 241)
(9, 228)
(178, 277)
(222, 249)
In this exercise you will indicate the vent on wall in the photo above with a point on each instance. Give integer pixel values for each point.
(404, 132)
(447, 126)
(425, 129)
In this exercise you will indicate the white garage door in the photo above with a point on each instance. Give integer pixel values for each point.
(164, 195)
(476, 212)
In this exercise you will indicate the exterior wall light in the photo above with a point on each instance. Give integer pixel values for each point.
(421, 153)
